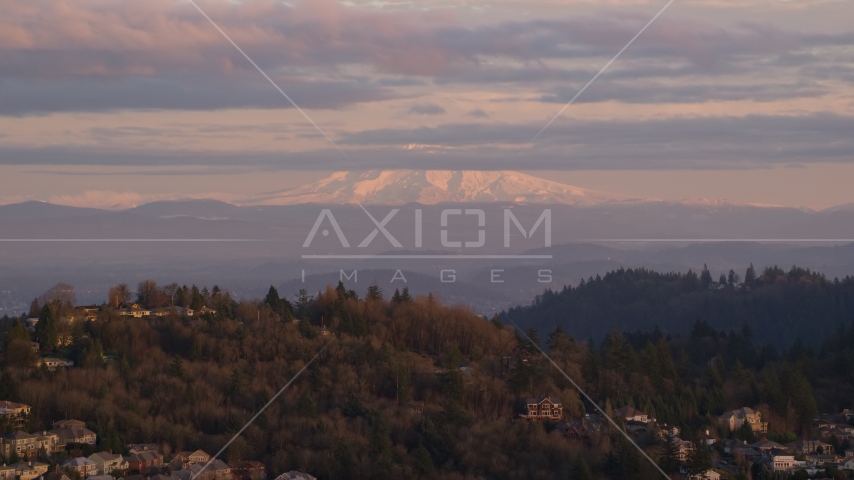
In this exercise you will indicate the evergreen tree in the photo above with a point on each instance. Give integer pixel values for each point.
(669, 460)
(8, 385)
(422, 461)
(732, 278)
(35, 309)
(374, 293)
(705, 277)
(699, 458)
(581, 471)
(16, 332)
(46, 332)
(750, 276)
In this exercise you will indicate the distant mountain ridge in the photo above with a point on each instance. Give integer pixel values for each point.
(428, 187)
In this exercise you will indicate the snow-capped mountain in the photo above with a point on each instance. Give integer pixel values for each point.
(427, 187)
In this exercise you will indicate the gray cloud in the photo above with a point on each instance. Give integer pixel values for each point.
(162, 55)
(693, 143)
(428, 108)
(191, 91)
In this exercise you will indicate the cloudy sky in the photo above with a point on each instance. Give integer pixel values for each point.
(111, 102)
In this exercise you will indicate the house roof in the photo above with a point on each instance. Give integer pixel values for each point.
(628, 411)
(78, 462)
(104, 457)
(143, 457)
(215, 465)
(12, 405)
(740, 413)
(31, 467)
(69, 423)
(539, 400)
(66, 433)
(189, 454)
(767, 445)
(295, 475)
(19, 435)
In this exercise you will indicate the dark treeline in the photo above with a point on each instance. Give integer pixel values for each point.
(781, 307)
(388, 399)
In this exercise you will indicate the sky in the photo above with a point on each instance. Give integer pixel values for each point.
(113, 103)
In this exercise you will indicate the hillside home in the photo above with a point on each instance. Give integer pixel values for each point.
(69, 423)
(23, 444)
(734, 419)
(81, 465)
(707, 475)
(542, 408)
(29, 470)
(144, 462)
(182, 460)
(52, 363)
(631, 414)
(778, 460)
(216, 470)
(134, 448)
(683, 448)
(248, 470)
(109, 462)
(295, 475)
(14, 414)
(7, 472)
(69, 434)
(810, 447)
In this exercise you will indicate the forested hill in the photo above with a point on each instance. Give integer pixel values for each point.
(779, 306)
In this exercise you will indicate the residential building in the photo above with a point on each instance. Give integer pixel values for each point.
(52, 363)
(779, 460)
(543, 408)
(631, 414)
(134, 448)
(295, 475)
(14, 413)
(23, 444)
(109, 462)
(81, 465)
(709, 438)
(248, 470)
(7, 472)
(578, 429)
(810, 447)
(668, 430)
(162, 312)
(69, 434)
(766, 445)
(182, 460)
(734, 419)
(144, 462)
(69, 423)
(215, 470)
(134, 312)
(707, 475)
(29, 470)
(683, 448)
(50, 442)
(101, 477)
